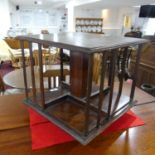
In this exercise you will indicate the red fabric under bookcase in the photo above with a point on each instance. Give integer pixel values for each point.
(46, 134)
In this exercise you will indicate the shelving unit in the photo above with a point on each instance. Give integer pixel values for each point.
(81, 108)
(89, 25)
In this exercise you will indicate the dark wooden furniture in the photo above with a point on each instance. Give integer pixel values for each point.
(82, 109)
(147, 65)
(15, 134)
(50, 72)
(134, 34)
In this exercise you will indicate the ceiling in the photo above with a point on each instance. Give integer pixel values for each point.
(85, 3)
(45, 3)
(117, 3)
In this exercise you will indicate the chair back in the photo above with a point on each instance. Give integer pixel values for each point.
(4, 53)
(54, 77)
(14, 43)
(45, 32)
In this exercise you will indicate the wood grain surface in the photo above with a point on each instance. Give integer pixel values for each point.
(84, 42)
(15, 136)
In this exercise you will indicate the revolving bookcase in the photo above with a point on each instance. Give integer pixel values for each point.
(80, 107)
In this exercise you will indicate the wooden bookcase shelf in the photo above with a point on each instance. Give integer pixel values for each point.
(81, 108)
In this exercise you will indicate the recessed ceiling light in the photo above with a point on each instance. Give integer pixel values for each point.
(40, 2)
(40, 10)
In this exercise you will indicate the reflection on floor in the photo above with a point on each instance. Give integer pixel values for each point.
(5, 68)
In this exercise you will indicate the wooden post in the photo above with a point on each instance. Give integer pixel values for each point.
(78, 73)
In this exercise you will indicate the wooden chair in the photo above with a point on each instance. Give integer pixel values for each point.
(16, 55)
(45, 32)
(16, 58)
(49, 57)
(14, 43)
(4, 53)
(50, 54)
(54, 77)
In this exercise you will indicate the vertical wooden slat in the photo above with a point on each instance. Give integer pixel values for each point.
(24, 68)
(61, 65)
(32, 72)
(109, 71)
(135, 74)
(78, 73)
(121, 77)
(102, 78)
(41, 76)
(88, 93)
(112, 73)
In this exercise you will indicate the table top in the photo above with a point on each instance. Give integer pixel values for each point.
(15, 136)
(16, 79)
(84, 42)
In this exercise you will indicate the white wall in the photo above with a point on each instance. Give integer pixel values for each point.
(111, 24)
(4, 17)
(127, 11)
(34, 20)
(149, 27)
(28, 20)
(113, 18)
(71, 21)
(146, 25)
(87, 13)
(110, 18)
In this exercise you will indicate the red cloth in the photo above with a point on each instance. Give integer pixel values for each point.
(45, 133)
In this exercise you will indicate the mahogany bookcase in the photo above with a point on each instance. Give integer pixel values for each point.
(81, 108)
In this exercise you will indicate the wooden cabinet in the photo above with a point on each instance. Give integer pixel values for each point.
(146, 72)
(89, 25)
